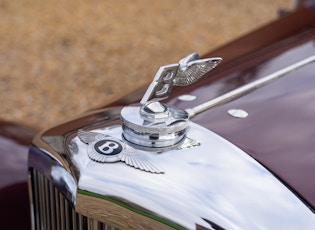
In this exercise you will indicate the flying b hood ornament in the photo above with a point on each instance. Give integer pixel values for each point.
(154, 126)
(151, 126)
(189, 70)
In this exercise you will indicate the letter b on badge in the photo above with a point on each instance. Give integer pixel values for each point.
(108, 147)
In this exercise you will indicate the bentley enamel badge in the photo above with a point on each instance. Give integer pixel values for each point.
(106, 149)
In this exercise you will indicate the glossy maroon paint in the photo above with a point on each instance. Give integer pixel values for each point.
(14, 198)
(280, 129)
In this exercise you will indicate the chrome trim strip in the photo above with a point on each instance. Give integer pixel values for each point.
(247, 88)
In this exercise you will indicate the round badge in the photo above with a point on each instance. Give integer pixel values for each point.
(106, 150)
(108, 147)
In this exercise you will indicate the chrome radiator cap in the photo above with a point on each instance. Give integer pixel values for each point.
(154, 126)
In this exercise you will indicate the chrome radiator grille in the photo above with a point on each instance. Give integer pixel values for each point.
(52, 211)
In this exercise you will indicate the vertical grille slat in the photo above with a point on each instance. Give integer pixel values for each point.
(62, 211)
(47, 206)
(42, 201)
(68, 217)
(74, 220)
(36, 202)
(57, 213)
(80, 222)
(52, 206)
(51, 210)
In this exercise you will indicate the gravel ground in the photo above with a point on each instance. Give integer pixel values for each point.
(59, 58)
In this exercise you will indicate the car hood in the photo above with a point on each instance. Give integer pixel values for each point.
(279, 129)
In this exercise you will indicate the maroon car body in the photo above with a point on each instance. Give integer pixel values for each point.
(278, 132)
(15, 140)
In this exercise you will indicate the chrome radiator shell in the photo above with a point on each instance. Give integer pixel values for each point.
(213, 184)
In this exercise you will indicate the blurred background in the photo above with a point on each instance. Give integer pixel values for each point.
(60, 58)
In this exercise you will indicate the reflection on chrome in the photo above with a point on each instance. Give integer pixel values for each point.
(215, 181)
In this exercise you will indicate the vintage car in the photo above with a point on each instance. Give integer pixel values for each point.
(233, 150)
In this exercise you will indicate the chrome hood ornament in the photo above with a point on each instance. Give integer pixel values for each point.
(150, 126)
(187, 71)
(154, 126)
